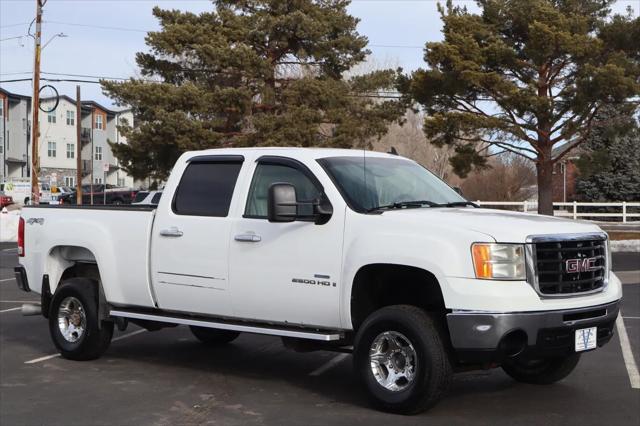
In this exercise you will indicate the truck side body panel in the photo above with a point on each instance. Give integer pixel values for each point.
(118, 240)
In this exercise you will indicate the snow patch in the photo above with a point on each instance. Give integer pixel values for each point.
(9, 226)
(625, 245)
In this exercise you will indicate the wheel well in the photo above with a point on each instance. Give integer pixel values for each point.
(379, 285)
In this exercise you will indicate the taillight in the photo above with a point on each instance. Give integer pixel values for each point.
(21, 237)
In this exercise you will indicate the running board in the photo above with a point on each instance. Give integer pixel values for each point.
(256, 329)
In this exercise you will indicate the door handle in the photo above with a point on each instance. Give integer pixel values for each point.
(248, 238)
(171, 232)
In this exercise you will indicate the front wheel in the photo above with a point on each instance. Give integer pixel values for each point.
(401, 359)
(74, 323)
(541, 371)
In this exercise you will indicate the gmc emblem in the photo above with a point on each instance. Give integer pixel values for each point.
(574, 266)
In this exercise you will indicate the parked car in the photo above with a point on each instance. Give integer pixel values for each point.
(5, 200)
(147, 198)
(339, 250)
(101, 194)
(59, 192)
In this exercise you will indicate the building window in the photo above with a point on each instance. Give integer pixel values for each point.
(99, 121)
(51, 149)
(69, 181)
(120, 182)
(71, 120)
(98, 155)
(97, 180)
(1, 107)
(51, 116)
(70, 151)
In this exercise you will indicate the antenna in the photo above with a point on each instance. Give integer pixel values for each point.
(364, 169)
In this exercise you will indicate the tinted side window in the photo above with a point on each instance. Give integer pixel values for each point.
(267, 174)
(206, 189)
(156, 198)
(140, 195)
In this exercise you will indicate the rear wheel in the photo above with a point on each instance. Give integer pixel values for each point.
(74, 323)
(541, 371)
(213, 336)
(401, 359)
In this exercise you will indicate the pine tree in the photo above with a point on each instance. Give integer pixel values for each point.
(251, 73)
(609, 163)
(525, 76)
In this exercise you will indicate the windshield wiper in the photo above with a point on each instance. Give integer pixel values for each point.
(459, 204)
(404, 204)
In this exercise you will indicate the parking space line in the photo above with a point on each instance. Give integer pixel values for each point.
(9, 310)
(7, 279)
(124, 336)
(627, 355)
(44, 358)
(631, 317)
(18, 301)
(329, 365)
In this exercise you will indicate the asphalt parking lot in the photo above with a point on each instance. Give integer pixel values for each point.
(169, 378)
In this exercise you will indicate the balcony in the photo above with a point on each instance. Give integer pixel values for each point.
(86, 167)
(85, 135)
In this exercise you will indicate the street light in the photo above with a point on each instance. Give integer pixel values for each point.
(61, 35)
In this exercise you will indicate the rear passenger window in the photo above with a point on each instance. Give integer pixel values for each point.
(206, 189)
(156, 198)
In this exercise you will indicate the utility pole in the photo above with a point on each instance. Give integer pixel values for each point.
(78, 147)
(35, 106)
(92, 152)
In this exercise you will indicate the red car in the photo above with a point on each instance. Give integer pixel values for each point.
(5, 200)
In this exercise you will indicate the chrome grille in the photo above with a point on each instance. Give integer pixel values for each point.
(568, 265)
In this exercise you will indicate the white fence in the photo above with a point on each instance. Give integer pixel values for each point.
(573, 210)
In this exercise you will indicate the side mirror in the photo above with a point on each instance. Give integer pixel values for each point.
(282, 203)
(282, 206)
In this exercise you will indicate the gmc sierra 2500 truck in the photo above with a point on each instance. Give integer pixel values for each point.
(330, 249)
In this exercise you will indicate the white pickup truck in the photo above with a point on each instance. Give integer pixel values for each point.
(340, 250)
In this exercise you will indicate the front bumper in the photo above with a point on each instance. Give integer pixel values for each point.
(485, 337)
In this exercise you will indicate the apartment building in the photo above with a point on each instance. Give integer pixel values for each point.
(58, 141)
(15, 136)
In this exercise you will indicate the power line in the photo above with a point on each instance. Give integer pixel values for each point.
(14, 25)
(100, 27)
(11, 38)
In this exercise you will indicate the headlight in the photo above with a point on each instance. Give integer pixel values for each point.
(499, 261)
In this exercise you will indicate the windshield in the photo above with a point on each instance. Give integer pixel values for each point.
(389, 181)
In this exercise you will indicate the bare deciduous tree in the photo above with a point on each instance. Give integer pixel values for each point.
(509, 178)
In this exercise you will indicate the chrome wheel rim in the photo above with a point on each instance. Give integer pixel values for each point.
(393, 361)
(72, 320)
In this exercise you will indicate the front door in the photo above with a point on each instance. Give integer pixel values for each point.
(286, 272)
(190, 239)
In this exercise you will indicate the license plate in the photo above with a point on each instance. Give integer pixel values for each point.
(586, 338)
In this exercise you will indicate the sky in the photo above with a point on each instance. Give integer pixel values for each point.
(103, 36)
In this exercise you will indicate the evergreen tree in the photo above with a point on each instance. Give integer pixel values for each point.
(524, 76)
(251, 73)
(609, 163)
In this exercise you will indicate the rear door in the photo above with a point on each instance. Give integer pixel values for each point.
(190, 238)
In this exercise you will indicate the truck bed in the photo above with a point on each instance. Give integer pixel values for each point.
(117, 238)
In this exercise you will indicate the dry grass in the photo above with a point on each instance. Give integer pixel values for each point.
(624, 235)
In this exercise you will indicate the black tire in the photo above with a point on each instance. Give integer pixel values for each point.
(213, 336)
(542, 371)
(93, 341)
(432, 372)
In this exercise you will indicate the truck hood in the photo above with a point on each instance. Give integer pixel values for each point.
(503, 226)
